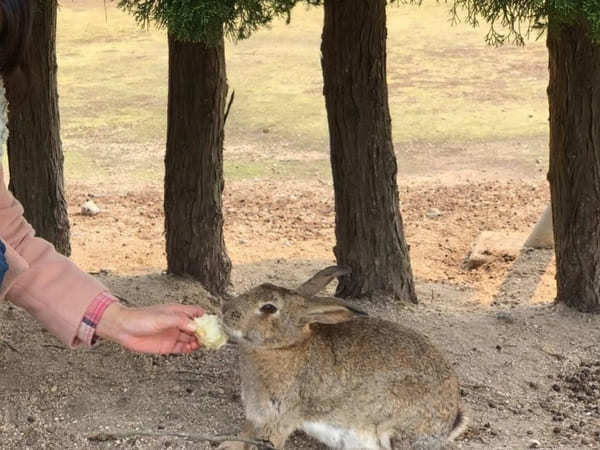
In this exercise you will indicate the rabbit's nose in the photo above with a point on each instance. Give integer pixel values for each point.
(232, 315)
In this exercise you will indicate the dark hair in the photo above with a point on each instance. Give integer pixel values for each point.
(15, 31)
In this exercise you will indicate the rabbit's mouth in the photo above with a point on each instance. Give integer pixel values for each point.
(236, 335)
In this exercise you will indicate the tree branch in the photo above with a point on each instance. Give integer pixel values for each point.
(9, 345)
(228, 108)
(105, 437)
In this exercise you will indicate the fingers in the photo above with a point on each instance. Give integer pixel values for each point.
(185, 347)
(189, 310)
(186, 338)
(178, 348)
(167, 328)
(187, 342)
(181, 343)
(182, 316)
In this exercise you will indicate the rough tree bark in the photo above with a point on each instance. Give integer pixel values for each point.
(34, 147)
(194, 164)
(369, 230)
(574, 175)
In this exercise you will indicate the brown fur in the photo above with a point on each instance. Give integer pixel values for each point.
(320, 361)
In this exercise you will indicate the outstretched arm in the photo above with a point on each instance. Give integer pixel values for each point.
(39, 279)
(155, 329)
(73, 305)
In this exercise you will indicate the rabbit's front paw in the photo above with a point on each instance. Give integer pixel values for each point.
(232, 445)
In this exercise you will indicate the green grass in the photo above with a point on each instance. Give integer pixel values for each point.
(445, 85)
(240, 169)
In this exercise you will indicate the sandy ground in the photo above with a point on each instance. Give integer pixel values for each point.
(529, 370)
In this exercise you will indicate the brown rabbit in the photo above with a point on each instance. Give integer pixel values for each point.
(351, 381)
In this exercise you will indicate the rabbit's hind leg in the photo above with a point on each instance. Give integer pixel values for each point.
(399, 442)
(252, 433)
(276, 433)
(232, 445)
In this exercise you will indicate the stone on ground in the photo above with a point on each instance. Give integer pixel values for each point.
(494, 245)
(89, 208)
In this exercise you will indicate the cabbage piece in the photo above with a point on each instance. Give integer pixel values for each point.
(209, 331)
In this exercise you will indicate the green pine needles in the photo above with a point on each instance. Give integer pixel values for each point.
(509, 20)
(207, 20)
(515, 20)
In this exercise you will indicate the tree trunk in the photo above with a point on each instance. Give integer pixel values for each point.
(574, 175)
(34, 147)
(194, 164)
(368, 226)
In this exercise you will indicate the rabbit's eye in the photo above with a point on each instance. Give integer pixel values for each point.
(268, 308)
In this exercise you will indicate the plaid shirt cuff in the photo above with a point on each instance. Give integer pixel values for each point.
(87, 329)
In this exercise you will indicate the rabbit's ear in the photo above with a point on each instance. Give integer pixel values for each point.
(329, 311)
(219, 300)
(322, 279)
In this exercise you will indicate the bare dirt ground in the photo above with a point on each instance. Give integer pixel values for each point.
(530, 371)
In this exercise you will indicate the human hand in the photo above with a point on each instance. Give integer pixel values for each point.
(157, 329)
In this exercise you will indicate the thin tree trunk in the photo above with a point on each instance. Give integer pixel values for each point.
(34, 147)
(194, 164)
(574, 97)
(369, 230)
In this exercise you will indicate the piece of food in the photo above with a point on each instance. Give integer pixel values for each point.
(210, 332)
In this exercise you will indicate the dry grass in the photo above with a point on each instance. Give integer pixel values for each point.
(446, 87)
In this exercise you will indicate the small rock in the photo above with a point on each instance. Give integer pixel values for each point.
(54, 389)
(542, 236)
(89, 208)
(556, 430)
(534, 443)
(505, 316)
(433, 213)
(493, 245)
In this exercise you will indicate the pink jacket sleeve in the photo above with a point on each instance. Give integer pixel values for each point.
(39, 279)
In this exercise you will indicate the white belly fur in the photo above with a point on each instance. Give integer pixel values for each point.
(344, 438)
